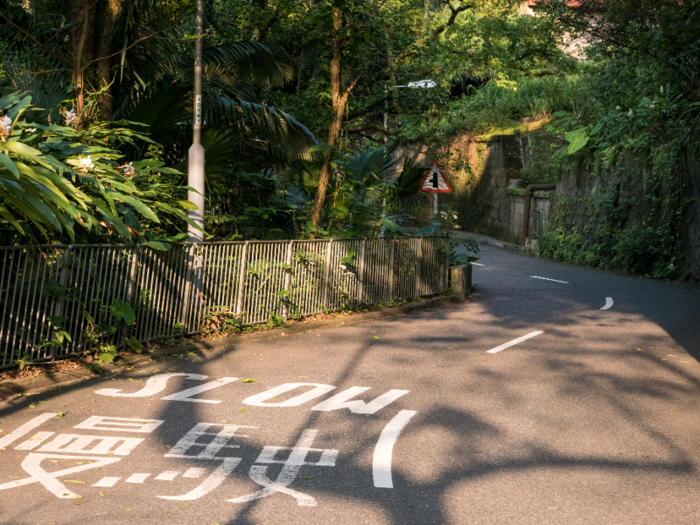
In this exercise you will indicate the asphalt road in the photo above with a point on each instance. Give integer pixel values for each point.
(593, 420)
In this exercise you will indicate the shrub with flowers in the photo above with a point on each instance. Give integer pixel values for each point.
(60, 184)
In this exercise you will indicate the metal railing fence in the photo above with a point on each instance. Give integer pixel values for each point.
(51, 290)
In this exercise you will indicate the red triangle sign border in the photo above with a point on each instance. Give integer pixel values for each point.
(434, 165)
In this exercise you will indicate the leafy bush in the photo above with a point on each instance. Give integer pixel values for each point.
(63, 184)
(642, 251)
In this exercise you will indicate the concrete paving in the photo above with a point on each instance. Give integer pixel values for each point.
(409, 420)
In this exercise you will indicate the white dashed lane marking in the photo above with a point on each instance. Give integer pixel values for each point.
(513, 342)
(548, 279)
(107, 482)
(137, 478)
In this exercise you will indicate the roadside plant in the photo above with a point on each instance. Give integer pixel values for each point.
(68, 185)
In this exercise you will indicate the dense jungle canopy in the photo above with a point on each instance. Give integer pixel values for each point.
(309, 116)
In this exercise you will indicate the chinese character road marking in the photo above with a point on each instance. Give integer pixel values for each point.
(32, 465)
(296, 459)
(215, 479)
(210, 449)
(219, 442)
(26, 428)
(79, 444)
(34, 441)
(119, 424)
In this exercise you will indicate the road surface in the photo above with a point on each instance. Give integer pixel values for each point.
(558, 395)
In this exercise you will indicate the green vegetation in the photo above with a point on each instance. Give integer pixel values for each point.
(312, 128)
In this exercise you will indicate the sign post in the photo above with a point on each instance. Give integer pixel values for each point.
(435, 182)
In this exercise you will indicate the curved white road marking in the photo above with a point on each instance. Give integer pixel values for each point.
(513, 342)
(608, 303)
(548, 279)
(381, 466)
(155, 385)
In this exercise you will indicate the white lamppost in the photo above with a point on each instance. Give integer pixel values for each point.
(195, 165)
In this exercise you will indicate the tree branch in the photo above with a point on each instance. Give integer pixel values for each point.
(351, 35)
(28, 35)
(352, 86)
(453, 16)
(127, 48)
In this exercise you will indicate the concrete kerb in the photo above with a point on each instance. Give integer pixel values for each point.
(82, 373)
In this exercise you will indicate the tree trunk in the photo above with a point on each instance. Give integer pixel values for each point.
(112, 9)
(339, 102)
(82, 47)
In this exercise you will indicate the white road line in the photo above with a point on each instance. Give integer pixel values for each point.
(381, 465)
(513, 342)
(547, 279)
(608, 303)
(477, 264)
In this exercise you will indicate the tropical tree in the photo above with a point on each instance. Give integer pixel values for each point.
(239, 131)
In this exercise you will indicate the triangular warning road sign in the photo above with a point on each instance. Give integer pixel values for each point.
(435, 181)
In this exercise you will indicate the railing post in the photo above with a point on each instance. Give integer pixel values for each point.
(287, 278)
(58, 311)
(419, 257)
(361, 272)
(184, 316)
(326, 273)
(446, 263)
(129, 297)
(241, 281)
(391, 268)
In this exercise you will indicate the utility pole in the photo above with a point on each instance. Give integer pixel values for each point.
(195, 166)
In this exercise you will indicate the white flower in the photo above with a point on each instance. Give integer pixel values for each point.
(661, 89)
(86, 163)
(618, 108)
(629, 113)
(71, 118)
(129, 170)
(5, 125)
(30, 130)
(653, 105)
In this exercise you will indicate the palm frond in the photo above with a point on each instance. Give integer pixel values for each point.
(370, 167)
